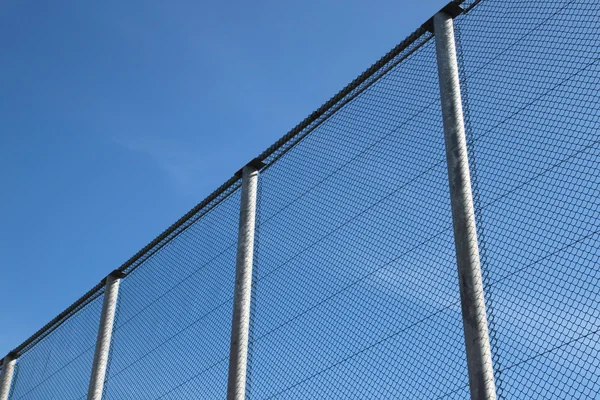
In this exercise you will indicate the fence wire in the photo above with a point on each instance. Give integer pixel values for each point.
(355, 287)
(171, 338)
(531, 71)
(355, 290)
(58, 366)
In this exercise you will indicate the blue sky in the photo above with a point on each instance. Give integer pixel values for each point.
(118, 117)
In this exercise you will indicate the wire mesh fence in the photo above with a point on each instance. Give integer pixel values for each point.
(171, 335)
(58, 365)
(532, 74)
(355, 289)
(366, 278)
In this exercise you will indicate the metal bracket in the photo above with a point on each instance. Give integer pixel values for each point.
(452, 9)
(256, 163)
(12, 355)
(116, 274)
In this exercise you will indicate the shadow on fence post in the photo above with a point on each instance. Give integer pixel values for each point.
(477, 343)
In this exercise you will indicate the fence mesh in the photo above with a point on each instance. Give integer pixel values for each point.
(532, 74)
(171, 338)
(355, 289)
(58, 366)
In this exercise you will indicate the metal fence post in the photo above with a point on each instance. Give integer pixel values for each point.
(107, 319)
(8, 368)
(477, 343)
(238, 351)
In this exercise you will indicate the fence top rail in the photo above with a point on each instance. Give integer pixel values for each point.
(265, 159)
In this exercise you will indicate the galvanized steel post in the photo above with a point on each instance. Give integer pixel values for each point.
(107, 319)
(479, 360)
(238, 351)
(8, 368)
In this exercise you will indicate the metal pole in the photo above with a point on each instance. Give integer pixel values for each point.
(8, 368)
(238, 351)
(107, 319)
(477, 343)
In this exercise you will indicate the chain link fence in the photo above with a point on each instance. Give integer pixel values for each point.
(366, 277)
(58, 365)
(532, 75)
(354, 286)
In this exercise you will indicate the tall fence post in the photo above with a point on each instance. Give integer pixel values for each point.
(8, 368)
(107, 319)
(477, 343)
(238, 351)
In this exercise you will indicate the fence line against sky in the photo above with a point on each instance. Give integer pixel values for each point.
(355, 292)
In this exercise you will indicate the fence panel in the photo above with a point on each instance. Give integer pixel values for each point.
(171, 336)
(531, 74)
(58, 366)
(356, 292)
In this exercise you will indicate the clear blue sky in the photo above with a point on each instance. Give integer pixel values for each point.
(117, 117)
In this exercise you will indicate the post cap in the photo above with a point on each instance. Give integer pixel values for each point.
(12, 355)
(452, 9)
(116, 274)
(256, 163)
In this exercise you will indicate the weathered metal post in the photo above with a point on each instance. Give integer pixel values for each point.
(8, 368)
(107, 319)
(238, 351)
(479, 359)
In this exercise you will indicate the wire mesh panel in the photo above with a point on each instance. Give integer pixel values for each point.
(171, 336)
(356, 292)
(59, 365)
(532, 75)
